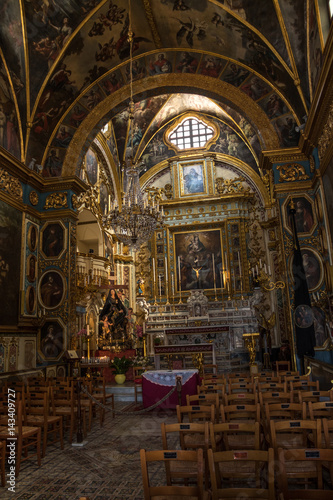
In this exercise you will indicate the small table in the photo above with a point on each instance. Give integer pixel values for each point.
(89, 367)
(157, 383)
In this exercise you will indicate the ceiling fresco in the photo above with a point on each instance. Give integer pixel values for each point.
(60, 60)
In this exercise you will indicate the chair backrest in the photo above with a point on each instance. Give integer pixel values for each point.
(294, 433)
(282, 366)
(285, 411)
(214, 380)
(240, 398)
(323, 409)
(208, 369)
(205, 389)
(240, 412)
(265, 378)
(234, 375)
(204, 399)
(241, 387)
(183, 457)
(300, 466)
(199, 433)
(304, 385)
(272, 386)
(235, 436)
(196, 413)
(257, 474)
(274, 396)
(314, 396)
(328, 432)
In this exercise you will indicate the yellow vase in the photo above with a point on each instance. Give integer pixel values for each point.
(120, 378)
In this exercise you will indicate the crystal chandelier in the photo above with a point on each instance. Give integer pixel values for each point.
(135, 221)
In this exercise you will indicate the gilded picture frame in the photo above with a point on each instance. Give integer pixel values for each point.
(53, 240)
(52, 289)
(313, 268)
(193, 178)
(30, 301)
(52, 339)
(31, 268)
(32, 238)
(199, 250)
(305, 217)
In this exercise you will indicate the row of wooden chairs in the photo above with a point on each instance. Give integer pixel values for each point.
(248, 474)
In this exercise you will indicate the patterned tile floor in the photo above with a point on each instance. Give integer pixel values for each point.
(107, 467)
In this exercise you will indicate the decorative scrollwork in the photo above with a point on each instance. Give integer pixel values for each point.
(56, 200)
(88, 200)
(10, 184)
(33, 198)
(168, 191)
(230, 186)
(292, 172)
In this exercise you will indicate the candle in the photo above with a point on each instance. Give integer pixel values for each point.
(166, 269)
(160, 284)
(154, 270)
(269, 269)
(87, 330)
(172, 284)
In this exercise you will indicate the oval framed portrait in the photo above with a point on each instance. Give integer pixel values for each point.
(313, 268)
(303, 316)
(51, 339)
(31, 268)
(52, 288)
(32, 238)
(30, 300)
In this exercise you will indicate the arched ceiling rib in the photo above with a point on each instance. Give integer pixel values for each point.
(60, 59)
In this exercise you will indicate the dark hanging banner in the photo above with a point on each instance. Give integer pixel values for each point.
(303, 315)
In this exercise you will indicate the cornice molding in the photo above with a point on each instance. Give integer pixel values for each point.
(268, 158)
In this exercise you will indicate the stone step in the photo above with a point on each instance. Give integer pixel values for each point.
(123, 392)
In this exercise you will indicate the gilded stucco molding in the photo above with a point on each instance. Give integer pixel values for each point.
(236, 97)
(152, 23)
(10, 184)
(231, 186)
(56, 200)
(292, 172)
(268, 158)
(326, 137)
(33, 198)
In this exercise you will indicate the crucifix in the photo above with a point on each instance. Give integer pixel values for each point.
(196, 268)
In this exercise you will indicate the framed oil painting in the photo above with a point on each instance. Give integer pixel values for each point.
(30, 300)
(193, 179)
(313, 268)
(31, 268)
(53, 239)
(51, 340)
(304, 217)
(198, 257)
(51, 289)
(32, 238)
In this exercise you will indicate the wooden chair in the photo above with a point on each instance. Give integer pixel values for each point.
(214, 380)
(305, 467)
(26, 437)
(137, 379)
(242, 474)
(241, 387)
(282, 366)
(201, 413)
(64, 403)
(281, 411)
(204, 399)
(275, 396)
(240, 413)
(38, 413)
(272, 386)
(323, 409)
(315, 396)
(264, 378)
(211, 388)
(328, 432)
(208, 369)
(234, 436)
(2, 462)
(99, 393)
(295, 434)
(240, 398)
(235, 375)
(187, 458)
(191, 437)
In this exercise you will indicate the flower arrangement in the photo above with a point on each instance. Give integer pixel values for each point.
(141, 361)
(120, 365)
(82, 333)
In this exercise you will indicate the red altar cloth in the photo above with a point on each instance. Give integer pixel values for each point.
(156, 384)
(107, 372)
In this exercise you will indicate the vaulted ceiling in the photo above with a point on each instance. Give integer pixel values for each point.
(249, 66)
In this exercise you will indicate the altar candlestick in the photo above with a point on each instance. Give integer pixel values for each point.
(172, 284)
(154, 270)
(269, 269)
(160, 285)
(87, 330)
(166, 269)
